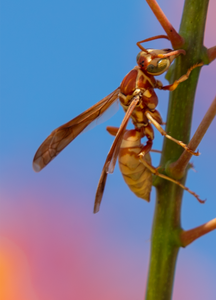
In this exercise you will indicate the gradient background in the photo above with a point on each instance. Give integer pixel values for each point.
(57, 59)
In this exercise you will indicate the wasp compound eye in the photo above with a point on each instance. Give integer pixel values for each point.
(159, 67)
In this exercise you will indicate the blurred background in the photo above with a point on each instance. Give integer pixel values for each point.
(58, 58)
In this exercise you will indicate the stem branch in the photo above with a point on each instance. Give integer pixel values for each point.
(188, 236)
(173, 35)
(177, 169)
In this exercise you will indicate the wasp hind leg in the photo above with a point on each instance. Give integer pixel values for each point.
(156, 172)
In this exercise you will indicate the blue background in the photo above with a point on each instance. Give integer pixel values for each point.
(58, 58)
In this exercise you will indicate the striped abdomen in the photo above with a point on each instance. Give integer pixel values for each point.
(135, 174)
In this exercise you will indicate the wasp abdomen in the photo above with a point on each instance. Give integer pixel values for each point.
(135, 174)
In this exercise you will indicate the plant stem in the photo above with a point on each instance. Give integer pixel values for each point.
(165, 242)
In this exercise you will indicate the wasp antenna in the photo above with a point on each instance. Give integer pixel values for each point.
(151, 39)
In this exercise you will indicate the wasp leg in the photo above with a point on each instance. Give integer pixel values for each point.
(155, 172)
(163, 132)
(174, 52)
(173, 86)
(149, 133)
(155, 151)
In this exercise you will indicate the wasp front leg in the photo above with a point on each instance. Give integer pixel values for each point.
(173, 86)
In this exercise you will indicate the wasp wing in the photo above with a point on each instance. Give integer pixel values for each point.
(66, 133)
(113, 155)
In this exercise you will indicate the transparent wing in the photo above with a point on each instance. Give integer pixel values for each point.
(111, 111)
(113, 155)
(66, 133)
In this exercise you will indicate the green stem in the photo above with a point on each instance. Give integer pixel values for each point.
(165, 242)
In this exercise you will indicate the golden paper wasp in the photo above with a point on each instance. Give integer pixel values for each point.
(138, 99)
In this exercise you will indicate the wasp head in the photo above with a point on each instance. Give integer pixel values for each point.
(156, 62)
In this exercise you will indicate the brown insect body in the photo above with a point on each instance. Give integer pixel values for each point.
(138, 99)
(141, 79)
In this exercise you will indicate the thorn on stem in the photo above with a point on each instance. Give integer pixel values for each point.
(211, 53)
